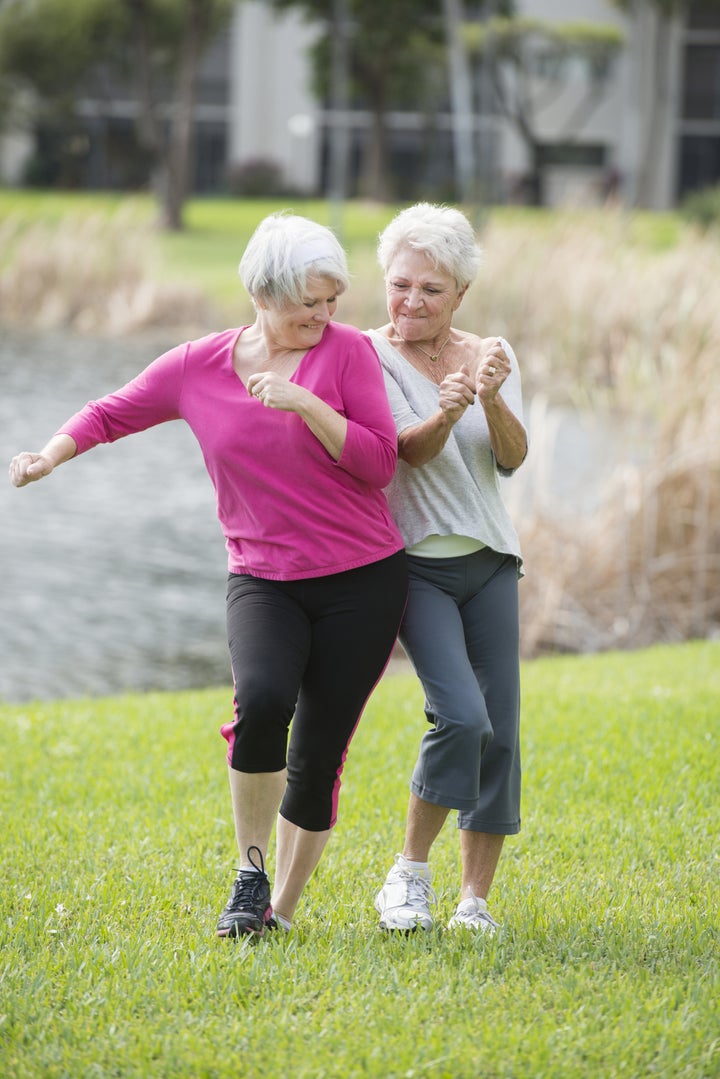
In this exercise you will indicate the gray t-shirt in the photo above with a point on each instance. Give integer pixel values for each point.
(458, 492)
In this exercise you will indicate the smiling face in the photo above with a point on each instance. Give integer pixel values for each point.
(421, 299)
(301, 325)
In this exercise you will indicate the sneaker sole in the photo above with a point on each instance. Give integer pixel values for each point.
(413, 928)
(238, 929)
(483, 931)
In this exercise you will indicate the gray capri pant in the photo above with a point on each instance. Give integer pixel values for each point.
(461, 634)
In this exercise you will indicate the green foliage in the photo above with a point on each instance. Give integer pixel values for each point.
(118, 855)
(513, 36)
(257, 178)
(52, 49)
(382, 74)
(54, 46)
(702, 208)
(665, 8)
(51, 45)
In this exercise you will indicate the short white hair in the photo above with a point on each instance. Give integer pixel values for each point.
(283, 252)
(442, 233)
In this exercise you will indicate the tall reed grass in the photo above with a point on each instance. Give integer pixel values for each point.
(603, 321)
(92, 273)
(632, 335)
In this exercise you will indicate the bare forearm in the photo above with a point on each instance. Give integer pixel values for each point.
(421, 443)
(507, 435)
(328, 426)
(59, 449)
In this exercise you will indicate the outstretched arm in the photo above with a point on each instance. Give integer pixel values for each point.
(29, 467)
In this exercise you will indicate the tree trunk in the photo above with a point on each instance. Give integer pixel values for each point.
(536, 192)
(651, 149)
(373, 173)
(462, 103)
(339, 135)
(146, 125)
(178, 179)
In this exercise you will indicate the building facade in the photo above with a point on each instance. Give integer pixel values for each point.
(649, 130)
(651, 137)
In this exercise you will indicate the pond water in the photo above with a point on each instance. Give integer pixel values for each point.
(113, 571)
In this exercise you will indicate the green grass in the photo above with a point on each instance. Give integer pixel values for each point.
(206, 254)
(118, 854)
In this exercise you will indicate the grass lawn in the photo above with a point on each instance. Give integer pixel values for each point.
(118, 855)
(207, 252)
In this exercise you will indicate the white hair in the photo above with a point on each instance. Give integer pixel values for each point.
(283, 252)
(442, 233)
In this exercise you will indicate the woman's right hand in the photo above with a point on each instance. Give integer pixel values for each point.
(457, 391)
(28, 468)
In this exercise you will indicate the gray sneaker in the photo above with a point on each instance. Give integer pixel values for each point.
(472, 913)
(403, 902)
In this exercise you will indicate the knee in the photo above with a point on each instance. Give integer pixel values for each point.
(471, 730)
(262, 699)
(262, 718)
(310, 806)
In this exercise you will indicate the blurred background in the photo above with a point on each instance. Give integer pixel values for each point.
(140, 144)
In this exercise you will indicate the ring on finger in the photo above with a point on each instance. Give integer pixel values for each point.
(491, 370)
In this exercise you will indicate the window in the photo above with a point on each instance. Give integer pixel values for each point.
(701, 98)
(699, 162)
(703, 17)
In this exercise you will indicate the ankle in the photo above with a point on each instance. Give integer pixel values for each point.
(422, 868)
(283, 922)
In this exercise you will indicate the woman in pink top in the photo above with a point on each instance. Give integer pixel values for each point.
(297, 435)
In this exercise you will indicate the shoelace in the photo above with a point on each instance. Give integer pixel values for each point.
(248, 883)
(246, 889)
(418, 888)
(477, 910)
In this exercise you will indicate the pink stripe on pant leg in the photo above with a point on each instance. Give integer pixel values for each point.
(228, 732)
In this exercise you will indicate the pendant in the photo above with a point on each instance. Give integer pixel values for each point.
(435, 358)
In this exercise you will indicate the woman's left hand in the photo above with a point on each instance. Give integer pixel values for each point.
(492, 371)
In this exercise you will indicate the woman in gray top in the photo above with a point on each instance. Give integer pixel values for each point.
(457, 405)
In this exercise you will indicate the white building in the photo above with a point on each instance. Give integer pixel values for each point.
(653, 133)
(655, 129)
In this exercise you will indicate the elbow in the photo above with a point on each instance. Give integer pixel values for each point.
(414, 460)
(510, 462)
(385, 468)
(413, 453)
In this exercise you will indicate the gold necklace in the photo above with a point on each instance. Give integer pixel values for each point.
(434, 358)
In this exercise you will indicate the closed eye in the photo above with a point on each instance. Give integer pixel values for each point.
(403, 286)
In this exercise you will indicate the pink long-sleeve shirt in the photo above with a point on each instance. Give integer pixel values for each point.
(286, 508)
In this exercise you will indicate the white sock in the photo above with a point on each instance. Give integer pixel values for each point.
(282, 922)
(421, 868)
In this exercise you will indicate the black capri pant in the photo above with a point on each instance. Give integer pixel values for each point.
(309, 653)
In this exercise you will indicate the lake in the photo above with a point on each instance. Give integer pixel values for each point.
(114, 568)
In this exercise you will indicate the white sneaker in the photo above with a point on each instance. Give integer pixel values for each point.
(473, 913)
(404, 900)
